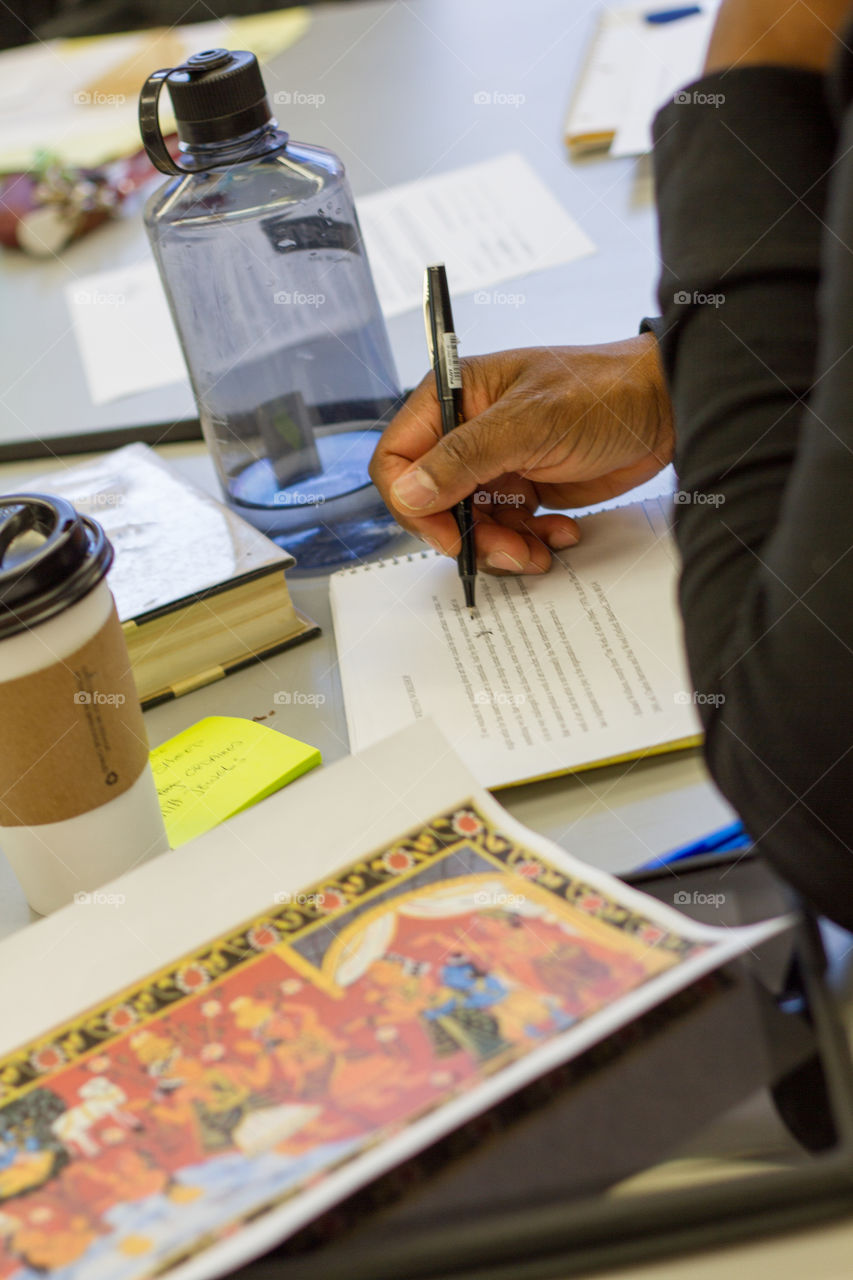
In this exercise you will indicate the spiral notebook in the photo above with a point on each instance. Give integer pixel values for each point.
(583, 666)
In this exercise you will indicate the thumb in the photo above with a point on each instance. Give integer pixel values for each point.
(469, 456)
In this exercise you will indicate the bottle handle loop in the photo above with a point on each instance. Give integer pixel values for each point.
(149, 122)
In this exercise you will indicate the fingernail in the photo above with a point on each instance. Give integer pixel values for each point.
(415, 489)
(500, 560)
(562, 538)
(436, 546)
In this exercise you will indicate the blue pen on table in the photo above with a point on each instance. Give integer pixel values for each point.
(659, 16)
(723, 841)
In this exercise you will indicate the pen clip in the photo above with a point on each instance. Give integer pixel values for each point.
(441, 338)
(428, 318)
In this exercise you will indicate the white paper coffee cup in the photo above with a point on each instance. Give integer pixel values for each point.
(78, 805)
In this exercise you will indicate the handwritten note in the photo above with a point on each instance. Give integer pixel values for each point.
(220, 766)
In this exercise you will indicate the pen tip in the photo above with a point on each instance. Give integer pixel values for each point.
(468, 587)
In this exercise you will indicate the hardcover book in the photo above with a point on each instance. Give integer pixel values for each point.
(199, 591)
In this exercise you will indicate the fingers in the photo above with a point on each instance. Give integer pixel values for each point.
(477, 451)
(512, 541)
(509, 538)
(419, 471)
(557, 532)
(520, 542)
(508, 507)
(506, 551)
(414, 431)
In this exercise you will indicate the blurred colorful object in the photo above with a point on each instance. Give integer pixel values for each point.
(44, 210)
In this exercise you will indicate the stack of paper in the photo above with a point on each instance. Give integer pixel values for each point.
(636, 62)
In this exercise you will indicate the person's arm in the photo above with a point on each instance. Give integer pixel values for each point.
(764, 519)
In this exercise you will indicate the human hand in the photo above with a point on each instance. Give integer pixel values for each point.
(554, 427)
(776, 33)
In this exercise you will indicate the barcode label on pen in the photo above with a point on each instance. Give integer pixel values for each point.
(451, 361)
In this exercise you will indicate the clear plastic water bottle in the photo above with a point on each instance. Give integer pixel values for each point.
(259, 249)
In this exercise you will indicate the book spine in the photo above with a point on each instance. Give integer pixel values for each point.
(309, 630)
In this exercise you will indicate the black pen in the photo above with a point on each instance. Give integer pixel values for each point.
(443, 354)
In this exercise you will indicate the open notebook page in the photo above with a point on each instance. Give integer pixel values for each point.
(550, 674)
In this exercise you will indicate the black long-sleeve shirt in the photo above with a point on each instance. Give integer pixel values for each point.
(755, 200)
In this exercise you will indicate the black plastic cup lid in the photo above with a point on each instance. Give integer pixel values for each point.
(42, 575)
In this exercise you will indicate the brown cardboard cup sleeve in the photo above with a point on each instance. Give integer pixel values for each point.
(72, 734)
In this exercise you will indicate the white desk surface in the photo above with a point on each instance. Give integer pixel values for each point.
(615, 817)
(400, 81)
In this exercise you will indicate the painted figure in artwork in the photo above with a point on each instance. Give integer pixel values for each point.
(463, 1019)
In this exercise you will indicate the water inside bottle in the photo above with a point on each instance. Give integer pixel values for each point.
(298, 470)
(293, 421)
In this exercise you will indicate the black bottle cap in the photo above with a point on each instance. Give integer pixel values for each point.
(66, 556)
(218, 95)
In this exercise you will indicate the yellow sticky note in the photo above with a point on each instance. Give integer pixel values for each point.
(220, 766)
